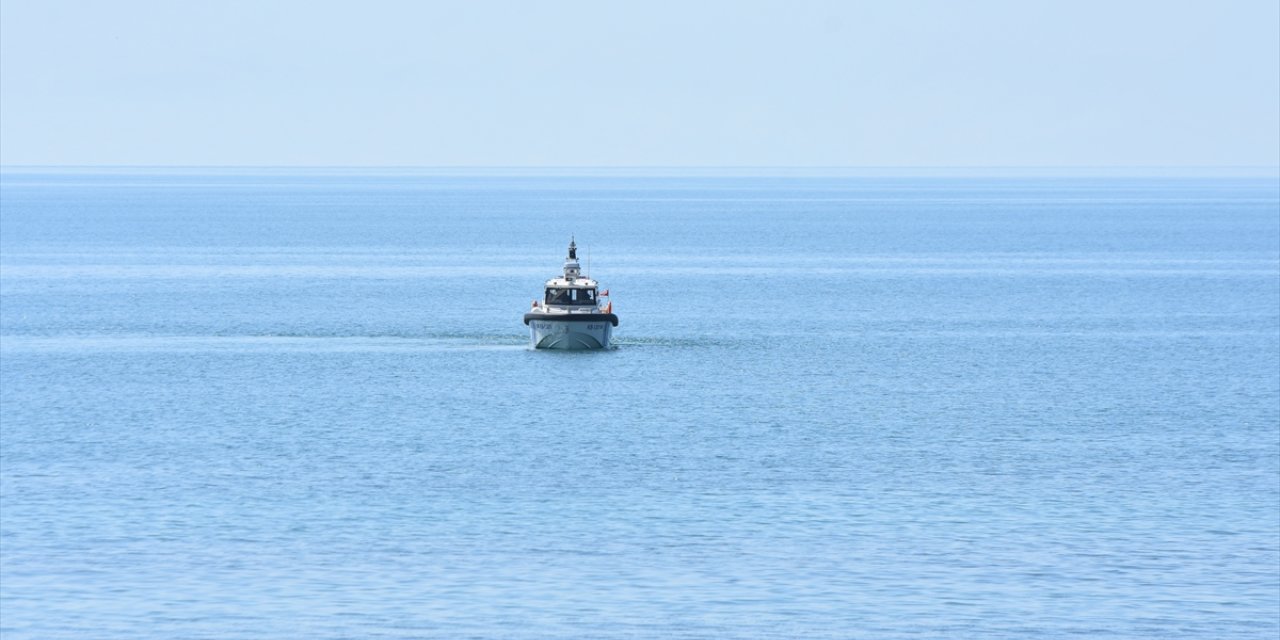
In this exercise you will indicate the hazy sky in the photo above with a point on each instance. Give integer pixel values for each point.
(611, 83)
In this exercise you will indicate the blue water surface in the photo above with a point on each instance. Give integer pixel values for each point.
(285, 403)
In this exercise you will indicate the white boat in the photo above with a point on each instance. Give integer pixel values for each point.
(571, 314)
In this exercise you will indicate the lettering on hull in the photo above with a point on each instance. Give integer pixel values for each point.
(569, 335)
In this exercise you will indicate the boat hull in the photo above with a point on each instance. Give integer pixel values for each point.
(558, 331)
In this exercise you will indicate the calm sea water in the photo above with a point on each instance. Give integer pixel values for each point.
(288, 404)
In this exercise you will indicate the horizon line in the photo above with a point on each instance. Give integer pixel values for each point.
(1242, 170)
(666, 166)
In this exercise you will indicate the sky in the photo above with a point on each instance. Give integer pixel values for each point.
(600, 83)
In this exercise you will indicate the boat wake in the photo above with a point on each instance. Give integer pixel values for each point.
(259, 343)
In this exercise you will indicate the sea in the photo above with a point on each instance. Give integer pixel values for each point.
(258, 403)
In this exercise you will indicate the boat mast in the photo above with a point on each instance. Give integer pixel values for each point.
(571, 268)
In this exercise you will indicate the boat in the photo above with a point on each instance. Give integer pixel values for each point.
(572, 314)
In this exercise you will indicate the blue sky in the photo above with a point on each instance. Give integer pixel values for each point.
(909, 83)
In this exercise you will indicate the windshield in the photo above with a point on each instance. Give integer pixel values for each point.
(570, 296)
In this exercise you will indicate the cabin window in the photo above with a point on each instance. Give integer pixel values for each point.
(570, 296)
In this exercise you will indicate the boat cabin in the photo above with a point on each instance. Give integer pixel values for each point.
(570, 296)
